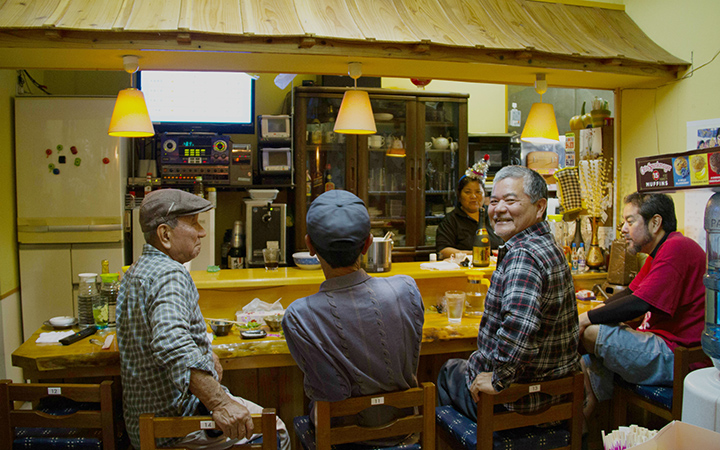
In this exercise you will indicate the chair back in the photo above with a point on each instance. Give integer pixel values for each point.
(569, 410)
(12, 418)
(152, 427)
(423, 422)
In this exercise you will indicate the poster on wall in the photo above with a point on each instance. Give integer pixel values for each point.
(701, 134)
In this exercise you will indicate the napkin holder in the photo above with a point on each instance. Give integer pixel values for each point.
(623, 264)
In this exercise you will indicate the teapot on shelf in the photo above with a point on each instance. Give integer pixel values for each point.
(440, 143)
(396, 142)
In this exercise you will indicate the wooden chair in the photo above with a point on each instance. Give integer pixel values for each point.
(324, 435)
(55, 422)
(152, 427)
(663, 401)
(515, 430)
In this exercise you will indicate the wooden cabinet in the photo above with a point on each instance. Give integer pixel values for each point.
(406, 173)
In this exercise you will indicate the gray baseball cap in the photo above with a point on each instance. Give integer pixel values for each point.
(164, 205)
(338, 220)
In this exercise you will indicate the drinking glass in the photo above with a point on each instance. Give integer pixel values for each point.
(455, 301)
(270, 255)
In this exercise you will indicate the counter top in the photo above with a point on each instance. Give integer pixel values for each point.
(292, 276)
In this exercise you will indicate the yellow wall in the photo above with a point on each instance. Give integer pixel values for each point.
(654, 121)
(486, 106)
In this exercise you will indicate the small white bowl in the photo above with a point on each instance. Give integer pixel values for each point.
(62, 321)
(304, 261)
(383, 117)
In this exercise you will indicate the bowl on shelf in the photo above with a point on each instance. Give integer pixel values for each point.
(304, 261)
(274, 322)
(221, 327)
(383, 117)
(263, 194)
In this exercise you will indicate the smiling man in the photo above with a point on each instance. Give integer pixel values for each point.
(669, 287)
(529, 330)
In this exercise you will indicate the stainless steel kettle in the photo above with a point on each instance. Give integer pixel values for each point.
(378, 258)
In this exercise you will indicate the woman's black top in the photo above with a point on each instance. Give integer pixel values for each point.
(457, 230)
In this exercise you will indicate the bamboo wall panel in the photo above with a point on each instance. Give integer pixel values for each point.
(216, 16)
(26, 13)
(90, 14)
(327, 18)
(148, 15)
(271, 18)
(380, 20)
(429, 22)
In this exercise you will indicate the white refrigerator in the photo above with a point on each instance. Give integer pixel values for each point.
(70, 179)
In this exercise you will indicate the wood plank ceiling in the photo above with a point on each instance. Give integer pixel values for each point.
(501, 41)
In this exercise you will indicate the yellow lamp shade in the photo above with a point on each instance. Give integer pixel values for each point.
(130, 117)
(541, 126)
(355, 115)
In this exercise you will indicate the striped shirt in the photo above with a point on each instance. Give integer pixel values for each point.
(161, 336)
(529, 330)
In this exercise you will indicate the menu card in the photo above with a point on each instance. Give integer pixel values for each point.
(676, 171)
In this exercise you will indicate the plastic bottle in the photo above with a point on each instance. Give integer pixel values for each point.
(212, 196)
(329, 185)
(148, 183)
(235, 255)
(105, 266)
(109, 292)
(582, 266)
(574, 259)
(711, 334)
(198, 188)
(514, 119)
(87, 296)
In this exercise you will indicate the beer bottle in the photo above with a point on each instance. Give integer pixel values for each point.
(235, 255)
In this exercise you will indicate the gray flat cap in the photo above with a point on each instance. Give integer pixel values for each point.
(164, 205)
(338, 220)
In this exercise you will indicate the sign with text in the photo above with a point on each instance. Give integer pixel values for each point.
(675, 171)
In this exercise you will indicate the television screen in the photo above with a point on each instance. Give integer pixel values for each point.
(184, 101)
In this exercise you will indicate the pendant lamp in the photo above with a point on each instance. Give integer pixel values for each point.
(130, 117)
(355, 115)
(541, 126)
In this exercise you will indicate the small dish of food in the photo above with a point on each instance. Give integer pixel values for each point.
(274, 322)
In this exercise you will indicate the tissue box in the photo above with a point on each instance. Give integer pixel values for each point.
(681, 436)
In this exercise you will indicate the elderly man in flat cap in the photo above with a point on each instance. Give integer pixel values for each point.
(359, 335)
(167, 364)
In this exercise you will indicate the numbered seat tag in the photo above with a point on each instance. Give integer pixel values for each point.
(377, 401)
(54, 391)
(534, 388)
(207, 424)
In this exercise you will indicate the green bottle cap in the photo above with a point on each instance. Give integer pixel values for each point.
(109, 277)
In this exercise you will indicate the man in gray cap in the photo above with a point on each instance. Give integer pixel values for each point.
(359, 335)
(167, 364)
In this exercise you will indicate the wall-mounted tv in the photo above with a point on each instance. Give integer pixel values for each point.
(185, 101)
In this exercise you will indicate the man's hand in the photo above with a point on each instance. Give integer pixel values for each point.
(482, 383)
(583, 322)
(218, 367)
(233, 419)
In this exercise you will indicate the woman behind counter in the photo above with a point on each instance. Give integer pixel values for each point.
(456, 232)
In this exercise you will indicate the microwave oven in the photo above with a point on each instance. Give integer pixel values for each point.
(504, 149)
(274, 128)
(275, 160)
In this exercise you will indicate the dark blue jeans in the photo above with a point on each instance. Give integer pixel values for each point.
(452, 389)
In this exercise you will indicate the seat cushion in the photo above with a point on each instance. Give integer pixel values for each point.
(464, 431)
(305, 431)
(658, 394)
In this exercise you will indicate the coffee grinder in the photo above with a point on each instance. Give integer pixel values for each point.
(264, 222)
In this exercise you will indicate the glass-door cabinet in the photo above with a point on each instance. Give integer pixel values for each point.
(407, 185)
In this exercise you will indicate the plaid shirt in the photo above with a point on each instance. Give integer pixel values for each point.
(161, 336)
(529, 330)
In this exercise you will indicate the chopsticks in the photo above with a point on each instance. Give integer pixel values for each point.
(207, 319)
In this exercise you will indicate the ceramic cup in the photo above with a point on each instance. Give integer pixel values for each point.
(376, 141)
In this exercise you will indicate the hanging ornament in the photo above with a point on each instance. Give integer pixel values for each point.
(420, 82)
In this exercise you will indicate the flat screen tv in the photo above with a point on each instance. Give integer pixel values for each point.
(185, 101)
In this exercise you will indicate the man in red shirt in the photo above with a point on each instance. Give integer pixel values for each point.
(668, 291)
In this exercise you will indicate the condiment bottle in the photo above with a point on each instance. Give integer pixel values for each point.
(475, 292)
(109, 292)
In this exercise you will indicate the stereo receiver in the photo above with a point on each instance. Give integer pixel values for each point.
(184, 157)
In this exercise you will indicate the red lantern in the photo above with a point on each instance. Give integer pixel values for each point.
(420, 82)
